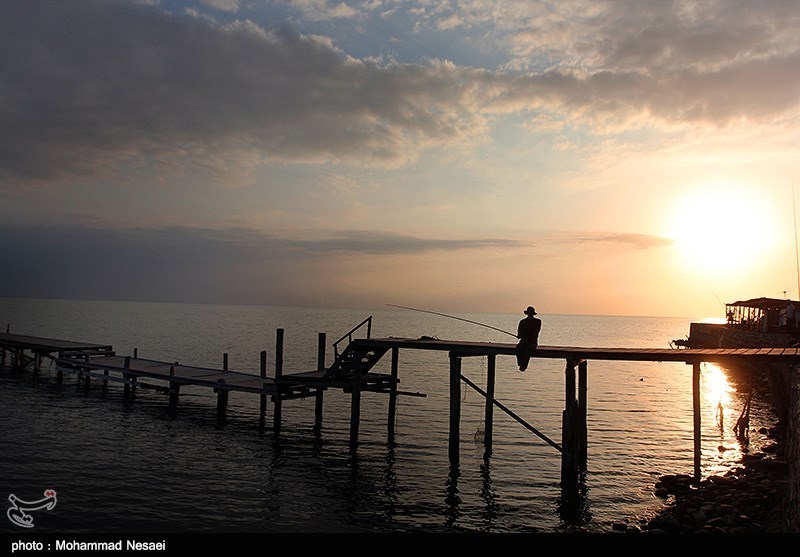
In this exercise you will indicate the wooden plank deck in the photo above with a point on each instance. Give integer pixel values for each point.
(47, 345)
(574, 353)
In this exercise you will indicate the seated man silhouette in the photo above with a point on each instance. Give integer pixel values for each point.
(528, 335)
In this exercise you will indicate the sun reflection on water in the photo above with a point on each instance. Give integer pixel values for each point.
(719, 417)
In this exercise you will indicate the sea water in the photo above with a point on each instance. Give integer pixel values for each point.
(122, 466)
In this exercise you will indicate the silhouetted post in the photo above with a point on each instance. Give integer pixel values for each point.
(393, 391)
(276, 422)
(583, 430)
(488, 427)
(697, 423)
(355, 399)
(126, 391)
(59, 369)
(569, 461)
(3, 357)
(135, 353)
(320, 367)
(455, 406)
(37, 362)
(222, 398)
(174, 389)
(225, 361)
(263, 376)
(88, 378)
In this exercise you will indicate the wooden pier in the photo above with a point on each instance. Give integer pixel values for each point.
(351, 372)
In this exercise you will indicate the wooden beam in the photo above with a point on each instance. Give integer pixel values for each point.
(393, 392)
(488, 427)
(318, 399)
(276, 418)
(263, 356)
(583, 431)
(697, 420)
(569, 460)
(355, 400)
(455, 407)
(174, 388)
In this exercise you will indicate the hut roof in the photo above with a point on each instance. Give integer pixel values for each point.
(764, 303)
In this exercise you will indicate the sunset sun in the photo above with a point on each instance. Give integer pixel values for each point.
(721, 230)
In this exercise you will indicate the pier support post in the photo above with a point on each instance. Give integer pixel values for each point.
(222, 398)
(488, 426)
(318, 399)
(697, 422)
(87, 380)
(583, 402)
(393, 392)
(569, 437)
(59, 370)
(276, 418)
(355, 400)
(135, 353)
(263, 376)
(126, 392)
(2, 357)
(174, 389)
(455, 407)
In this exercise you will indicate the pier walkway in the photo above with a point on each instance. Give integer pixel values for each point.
(351, 371)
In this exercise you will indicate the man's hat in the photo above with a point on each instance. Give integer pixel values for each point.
(530, 311)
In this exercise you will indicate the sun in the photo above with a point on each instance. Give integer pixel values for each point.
(724, 229)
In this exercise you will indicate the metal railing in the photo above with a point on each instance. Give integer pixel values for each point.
(349, 335)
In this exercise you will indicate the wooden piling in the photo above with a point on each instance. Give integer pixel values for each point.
(2, 357)
(488, 423)
(174, 389)
(355, 400)
(59, 370)
(126, 393)
(569, 437)
(225, 361)
(455, 407)
(697, 422)
(583, 430)
(87, 380)
(393, 391)
(318, 400)
(263, 376)
(222, 398)
(276, 418)
(135, 353)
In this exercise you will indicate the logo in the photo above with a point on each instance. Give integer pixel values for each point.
(17, 515)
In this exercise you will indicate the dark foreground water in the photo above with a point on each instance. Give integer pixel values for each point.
(133, 467)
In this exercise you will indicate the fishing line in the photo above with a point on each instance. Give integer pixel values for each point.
(453, 317)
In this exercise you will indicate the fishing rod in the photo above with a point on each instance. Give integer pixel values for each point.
(453, 317)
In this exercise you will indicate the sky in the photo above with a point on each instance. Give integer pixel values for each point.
(581, 156)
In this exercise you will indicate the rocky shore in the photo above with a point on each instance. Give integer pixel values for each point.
(747, 499)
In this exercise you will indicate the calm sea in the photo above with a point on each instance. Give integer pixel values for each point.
(120, 467)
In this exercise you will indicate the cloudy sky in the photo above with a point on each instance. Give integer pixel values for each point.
(582, 156)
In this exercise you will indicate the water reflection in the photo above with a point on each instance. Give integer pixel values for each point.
(573, 504)
(452, 499)
(719, 397)
(490, 512)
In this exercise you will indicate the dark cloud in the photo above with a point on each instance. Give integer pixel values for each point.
(184, 264)
(86, 84)
(639, 241)
(383, 243)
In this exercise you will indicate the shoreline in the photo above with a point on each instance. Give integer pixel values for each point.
(748, 499)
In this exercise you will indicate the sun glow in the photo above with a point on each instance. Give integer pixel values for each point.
(721, 230)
